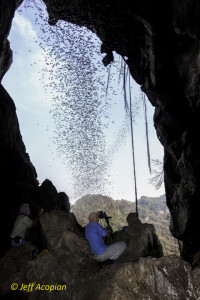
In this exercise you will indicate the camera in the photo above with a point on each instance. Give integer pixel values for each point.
(102, 215)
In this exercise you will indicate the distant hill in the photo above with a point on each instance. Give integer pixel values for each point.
(152, 210)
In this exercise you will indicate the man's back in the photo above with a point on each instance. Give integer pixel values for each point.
(94, 233)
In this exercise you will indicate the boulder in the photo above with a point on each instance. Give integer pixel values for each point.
(13, 268)
(67, 263)
(141, 240)
(168, 277)
(50, 199)
(55, 224)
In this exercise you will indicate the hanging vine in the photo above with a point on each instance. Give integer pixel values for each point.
(133, 149)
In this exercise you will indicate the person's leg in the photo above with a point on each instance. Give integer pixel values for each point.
(18, 242)
(112, 252)
(13, 244)
(115, 250)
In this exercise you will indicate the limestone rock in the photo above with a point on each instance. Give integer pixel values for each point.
(55, 224)
(163, 278)
(13, 267)
(18, 173)
(64, 263)
(50, 199)
(141, 240)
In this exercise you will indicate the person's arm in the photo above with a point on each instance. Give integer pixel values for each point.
(108, 230)
(33, 223)
(102, 231)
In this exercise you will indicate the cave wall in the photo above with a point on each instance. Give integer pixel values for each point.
(160, 43)
(17, 171)
(18, 175)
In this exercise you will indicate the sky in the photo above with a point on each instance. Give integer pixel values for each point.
(34, 96)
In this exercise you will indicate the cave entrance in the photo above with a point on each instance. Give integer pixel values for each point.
(87, 132)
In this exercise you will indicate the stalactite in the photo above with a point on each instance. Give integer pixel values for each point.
(124, 87)
(147, 132)
(108, 79)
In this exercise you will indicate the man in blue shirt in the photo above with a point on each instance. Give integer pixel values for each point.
(95, 233)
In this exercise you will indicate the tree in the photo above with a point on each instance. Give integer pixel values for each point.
(158, 179)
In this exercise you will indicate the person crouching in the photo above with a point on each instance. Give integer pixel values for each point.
(94, 233)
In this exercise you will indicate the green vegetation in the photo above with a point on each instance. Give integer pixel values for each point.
(151, 210)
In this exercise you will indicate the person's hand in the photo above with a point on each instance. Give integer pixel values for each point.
(109, 228)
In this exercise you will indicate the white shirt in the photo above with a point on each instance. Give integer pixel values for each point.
(21, 225)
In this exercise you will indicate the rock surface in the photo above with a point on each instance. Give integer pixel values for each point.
(66, 263)
(54, 223)
(153, 279)
(141, 240)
